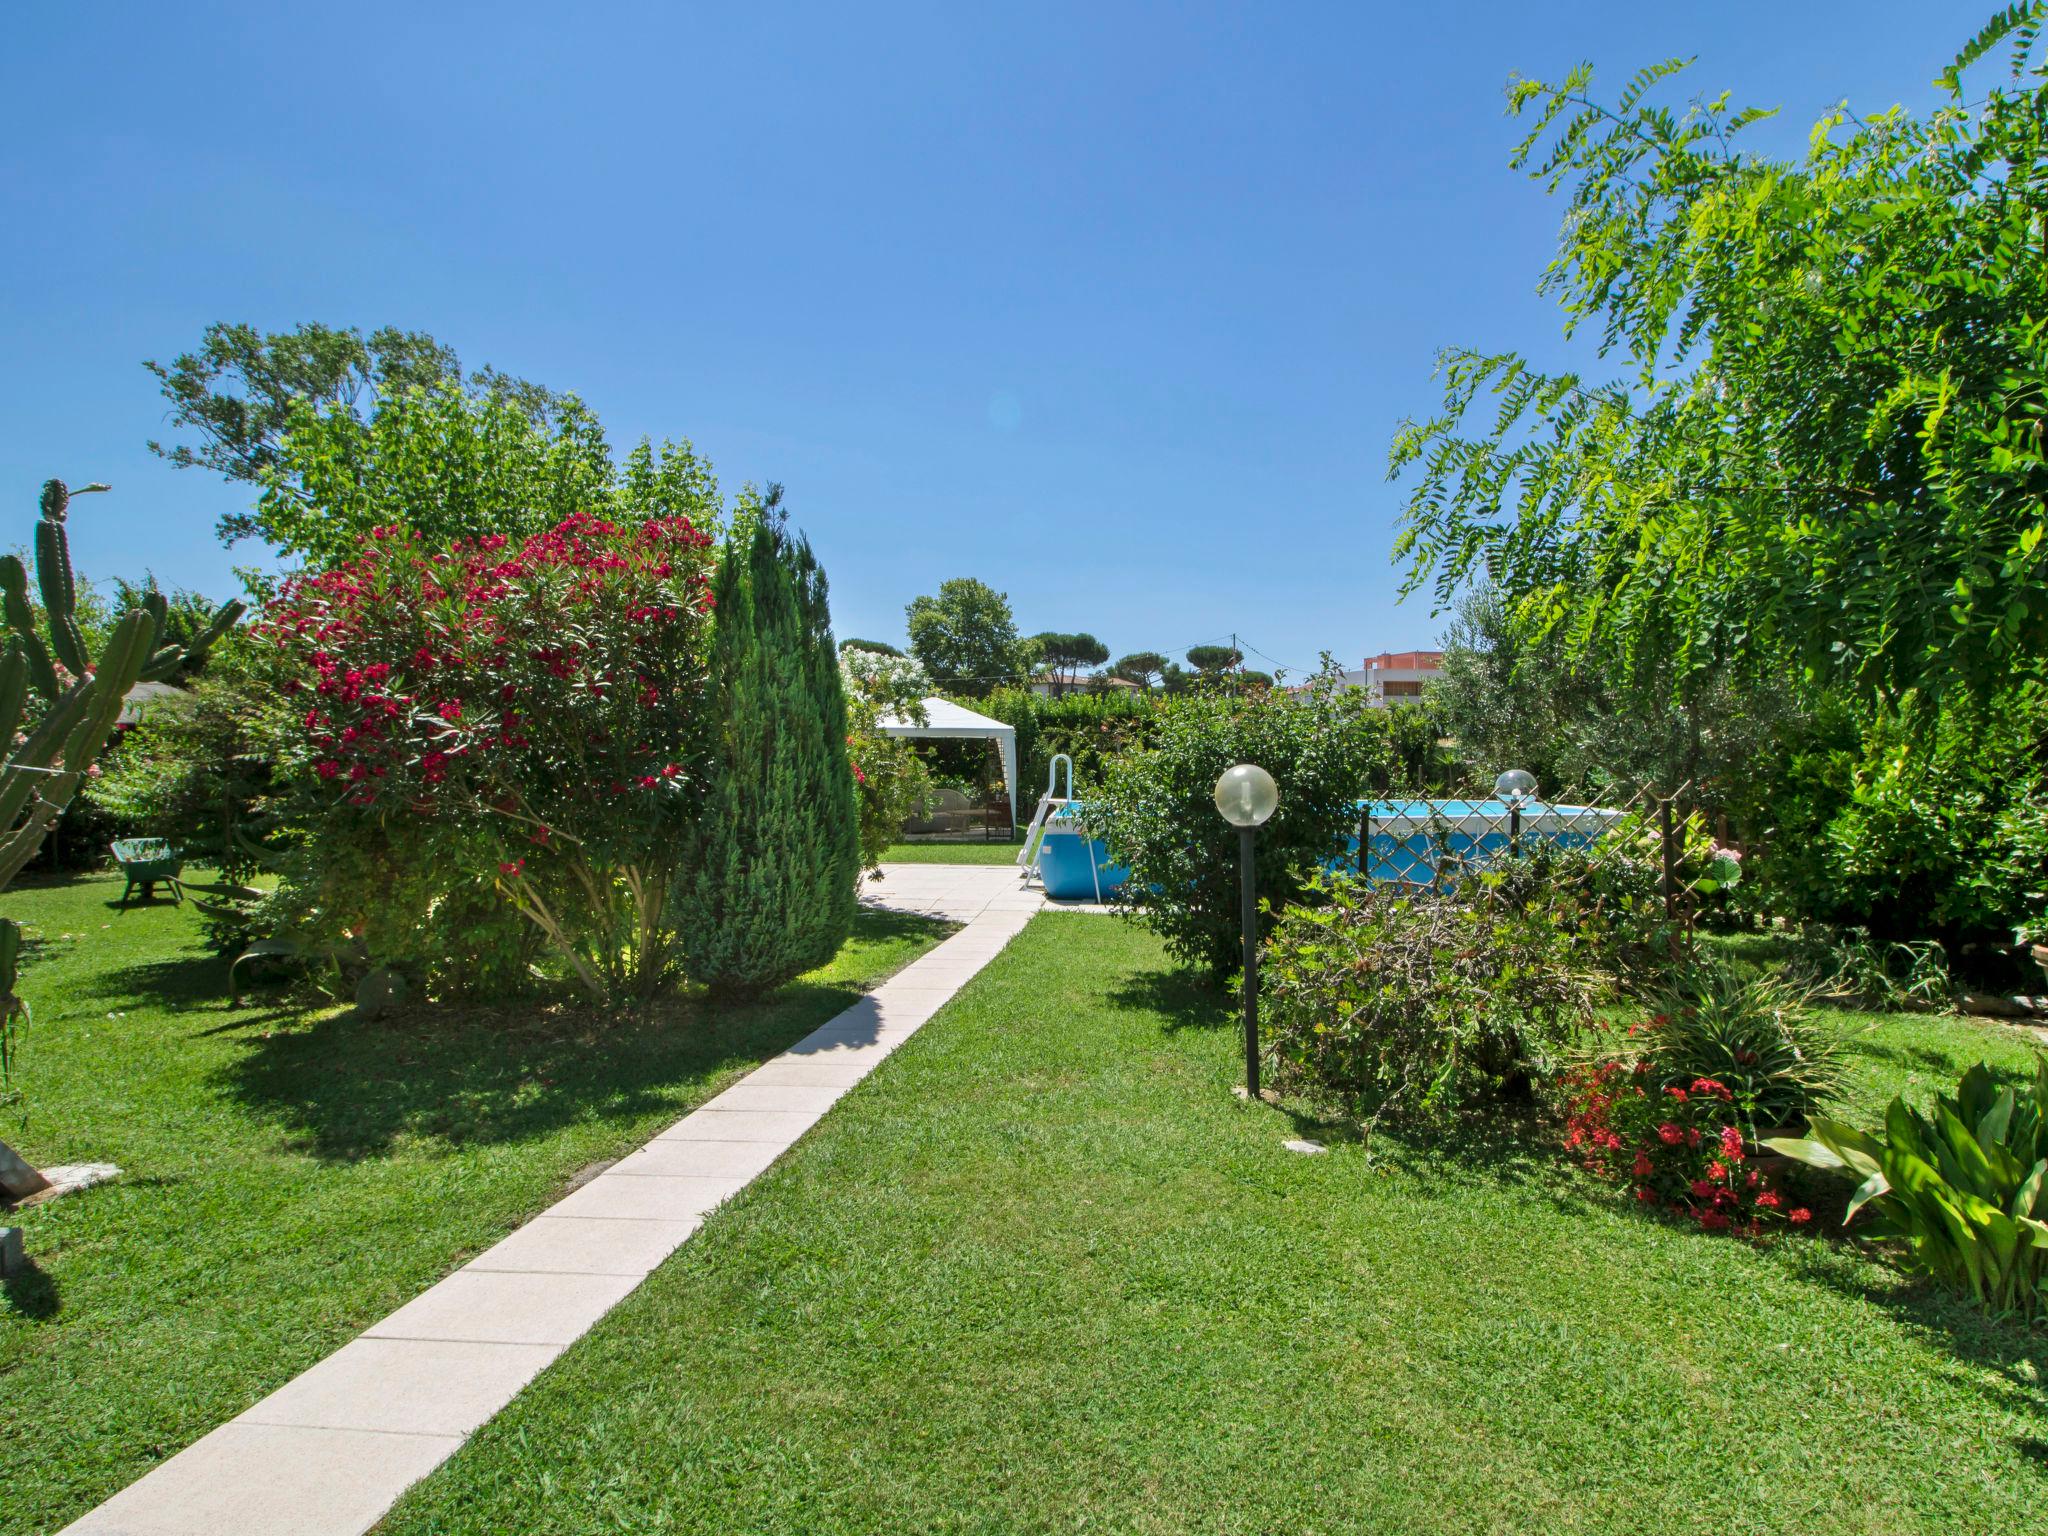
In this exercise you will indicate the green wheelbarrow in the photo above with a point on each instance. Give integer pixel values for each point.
(145, 861)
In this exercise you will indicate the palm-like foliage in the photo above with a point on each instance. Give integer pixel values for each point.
(1964, 1189)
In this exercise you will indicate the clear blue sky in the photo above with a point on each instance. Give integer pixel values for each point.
(1113, 306)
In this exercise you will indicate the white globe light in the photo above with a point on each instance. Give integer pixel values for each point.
(1247, 795)
(1516, 785)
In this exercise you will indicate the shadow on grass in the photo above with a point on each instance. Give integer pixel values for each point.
(1178, 999)
(347, 1088)
(31, 1293)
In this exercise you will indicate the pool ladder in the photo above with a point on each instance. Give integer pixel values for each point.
(1048, 804)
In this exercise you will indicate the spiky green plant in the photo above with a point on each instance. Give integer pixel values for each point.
(57, 737)
(1750, 1031)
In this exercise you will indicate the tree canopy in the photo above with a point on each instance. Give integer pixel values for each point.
(965, 636)
(1214, 658)
(1820, 443)
(1145, 668)
(241, 387)
(1061, 656)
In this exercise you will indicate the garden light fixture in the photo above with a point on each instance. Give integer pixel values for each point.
(1247, 796)
(1517, 787)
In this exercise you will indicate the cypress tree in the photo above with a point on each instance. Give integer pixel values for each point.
(773, 867)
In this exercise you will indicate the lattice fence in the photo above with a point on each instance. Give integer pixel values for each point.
(1656, 836)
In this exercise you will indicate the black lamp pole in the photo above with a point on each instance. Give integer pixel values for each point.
(1246, 838)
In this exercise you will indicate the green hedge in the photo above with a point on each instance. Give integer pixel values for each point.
(1089, 727)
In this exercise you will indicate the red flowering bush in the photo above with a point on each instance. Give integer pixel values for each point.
(547, 703)
(1678, 1147)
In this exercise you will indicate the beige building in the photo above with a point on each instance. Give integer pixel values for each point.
(1397, 677)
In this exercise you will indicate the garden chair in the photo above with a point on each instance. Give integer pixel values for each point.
(145, 861)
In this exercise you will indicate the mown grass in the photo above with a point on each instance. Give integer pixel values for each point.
(290, 1176)
(1042, 1272)
(952, 853)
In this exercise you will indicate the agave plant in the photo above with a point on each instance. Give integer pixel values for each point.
(1749, 1031)
(1965, 1189)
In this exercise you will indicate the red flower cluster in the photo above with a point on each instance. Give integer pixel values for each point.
(419, 661)
(510, 688)
(1677, 1148)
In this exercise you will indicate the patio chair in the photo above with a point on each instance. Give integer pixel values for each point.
(145, 861)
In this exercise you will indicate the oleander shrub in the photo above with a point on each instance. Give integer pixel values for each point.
(533, 719)
(1422, 1002)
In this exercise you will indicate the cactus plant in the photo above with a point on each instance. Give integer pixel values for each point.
(50, 748)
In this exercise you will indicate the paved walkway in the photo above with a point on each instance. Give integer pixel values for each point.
(328, 1453)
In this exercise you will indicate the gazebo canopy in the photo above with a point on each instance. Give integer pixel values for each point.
(944, 718)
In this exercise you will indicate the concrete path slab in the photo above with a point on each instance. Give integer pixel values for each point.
(405, 1386)
(279, 1480)
(589, 1245)
(329, 1452)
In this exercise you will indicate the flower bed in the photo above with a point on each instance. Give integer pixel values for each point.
(1679, 1148)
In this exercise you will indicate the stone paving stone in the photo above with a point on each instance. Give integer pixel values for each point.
(271, 1480)
(784, 1072)
(637, 1197)
(780, 1126)
(405, 1386)
(744, 1095)
(507, 1307)
(698, 1159)
(590, 1245)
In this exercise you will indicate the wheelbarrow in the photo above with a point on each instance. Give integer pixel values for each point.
(145, 861)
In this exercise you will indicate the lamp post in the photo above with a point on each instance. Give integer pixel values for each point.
(1517, 787)
(1247, 796)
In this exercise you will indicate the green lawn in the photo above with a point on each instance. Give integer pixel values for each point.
(952, 853)
(1042, 1272)
(291, 1177)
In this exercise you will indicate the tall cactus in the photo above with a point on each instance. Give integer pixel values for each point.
(76, 712)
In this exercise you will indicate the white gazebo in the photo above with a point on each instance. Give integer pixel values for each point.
(944, 718)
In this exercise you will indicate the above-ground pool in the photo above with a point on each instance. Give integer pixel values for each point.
(1072, 865)
(1411, 839)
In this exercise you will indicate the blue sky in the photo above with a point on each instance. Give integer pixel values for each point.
(1113, 306)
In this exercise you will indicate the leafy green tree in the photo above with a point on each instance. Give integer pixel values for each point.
(1155, 808)
(1145, 668)
(774, 859)
(442, 463)
(895, 781)
(965, 636)
(239, 387)
(1208, 659)
(1061, 656)
(874, 647)
(1820, 440)
(238, 391)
